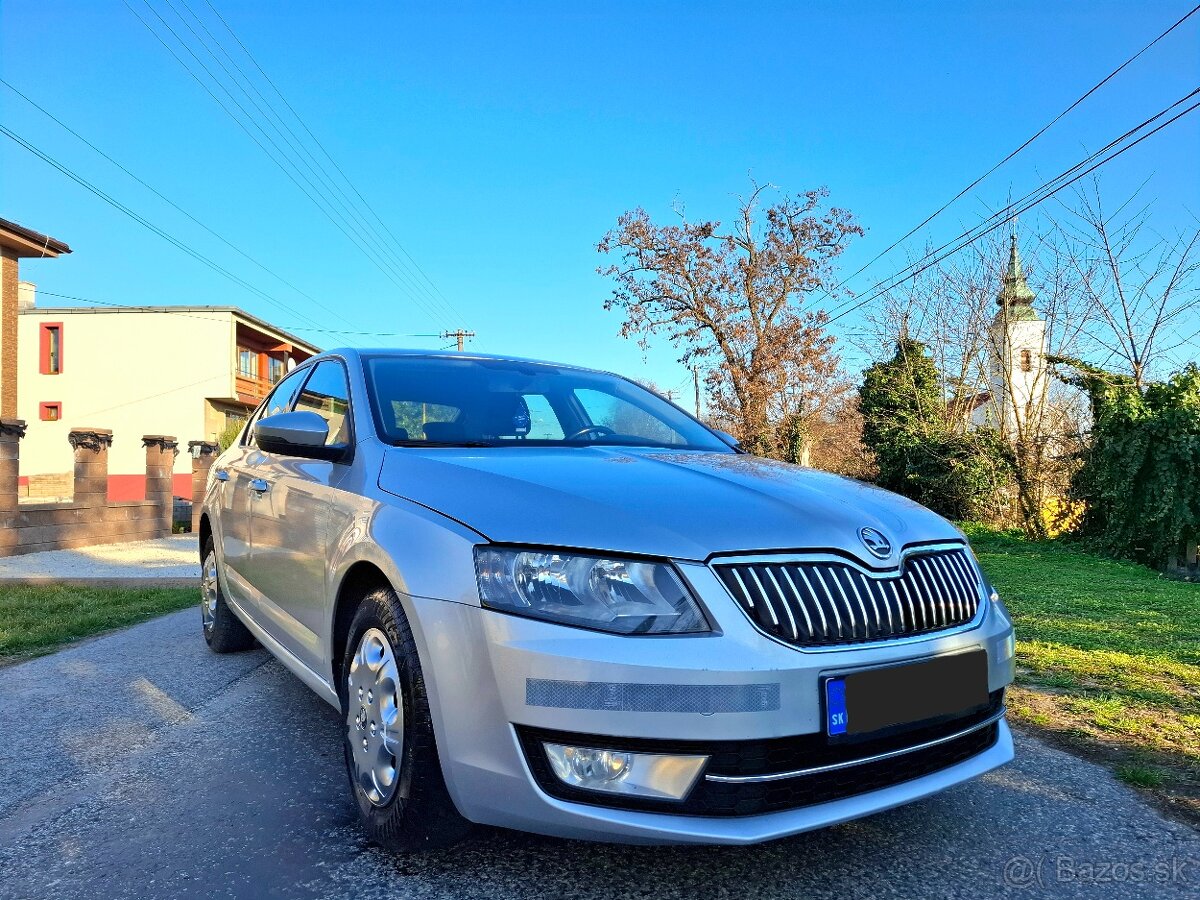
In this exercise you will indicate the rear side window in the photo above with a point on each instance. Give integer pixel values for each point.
(327, 393)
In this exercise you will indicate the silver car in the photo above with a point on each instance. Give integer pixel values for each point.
(542, 597)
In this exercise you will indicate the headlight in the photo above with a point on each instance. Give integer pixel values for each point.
(619, 595)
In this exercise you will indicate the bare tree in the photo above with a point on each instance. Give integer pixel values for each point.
(990, 318)
(1140, 285)
(732, 301)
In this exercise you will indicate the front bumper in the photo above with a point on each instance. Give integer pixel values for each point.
(496, 680)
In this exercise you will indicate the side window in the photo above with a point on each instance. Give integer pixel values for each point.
(328, 395)
(280, 399)
(625, 418)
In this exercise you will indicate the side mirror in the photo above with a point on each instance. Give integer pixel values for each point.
(729, 439)
(300, 434)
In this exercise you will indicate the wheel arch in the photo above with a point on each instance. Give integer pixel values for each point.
(359, 579)
(205, 532)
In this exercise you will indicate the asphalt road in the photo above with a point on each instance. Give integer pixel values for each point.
(141, 765)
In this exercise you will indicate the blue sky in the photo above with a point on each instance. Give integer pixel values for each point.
(500, 141)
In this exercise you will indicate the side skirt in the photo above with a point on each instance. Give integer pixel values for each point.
(322, 687)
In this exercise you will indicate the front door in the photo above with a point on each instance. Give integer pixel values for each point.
(240, 478)
(290, 523)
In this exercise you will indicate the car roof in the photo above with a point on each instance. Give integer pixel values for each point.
(409, 353)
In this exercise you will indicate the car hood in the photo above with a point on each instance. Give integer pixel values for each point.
(672, 503)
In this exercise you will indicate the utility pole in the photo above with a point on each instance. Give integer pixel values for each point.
(460, 336)
(696, 383)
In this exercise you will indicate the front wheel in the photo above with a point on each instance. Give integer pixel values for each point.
(391, 755)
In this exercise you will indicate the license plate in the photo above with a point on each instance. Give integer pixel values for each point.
(877, 699)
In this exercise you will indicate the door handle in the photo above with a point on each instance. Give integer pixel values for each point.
(259, 486)
(222, 475)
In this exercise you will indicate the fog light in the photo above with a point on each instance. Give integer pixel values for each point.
(621, 772)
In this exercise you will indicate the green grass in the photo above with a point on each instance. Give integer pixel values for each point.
(36, 619)
(1108, 658)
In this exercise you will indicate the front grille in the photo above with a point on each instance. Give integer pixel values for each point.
(781, 755)
(813, 604)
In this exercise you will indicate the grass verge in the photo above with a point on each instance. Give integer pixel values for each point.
(1108, 660)
(34, 620)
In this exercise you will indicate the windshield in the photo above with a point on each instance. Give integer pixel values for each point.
(423, 401)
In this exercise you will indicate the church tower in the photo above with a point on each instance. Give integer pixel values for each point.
(1017, 351)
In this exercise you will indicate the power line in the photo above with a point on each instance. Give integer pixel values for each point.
(194, 314)
(325, 152)
(342, 226)
(141, 220)
(166, 199)
(293, 141)
(314, 194)
(1010, 156)
(1000, 218)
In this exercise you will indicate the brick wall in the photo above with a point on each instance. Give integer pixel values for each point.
(90, 518)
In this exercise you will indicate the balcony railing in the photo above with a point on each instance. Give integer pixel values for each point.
(252, 389)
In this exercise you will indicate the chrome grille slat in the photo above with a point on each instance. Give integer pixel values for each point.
(828, 602)
(947, 591)
(832, 603)
(787, 607)
(913, 607)
(802, 606)
(816, 600)
(937, 604)
(766, 599)
(962, 597)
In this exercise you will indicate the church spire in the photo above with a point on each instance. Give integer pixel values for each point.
(1015, 295)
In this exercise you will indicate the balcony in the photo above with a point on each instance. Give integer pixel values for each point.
(250, 390)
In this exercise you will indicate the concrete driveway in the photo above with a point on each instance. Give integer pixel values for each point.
(141, 765)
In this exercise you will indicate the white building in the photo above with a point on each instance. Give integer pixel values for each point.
(186, 371)
(1016, 347)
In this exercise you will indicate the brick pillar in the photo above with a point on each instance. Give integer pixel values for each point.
(161, 450)
(11, 432)
(9, 278)
(91, 474)
(203, 453)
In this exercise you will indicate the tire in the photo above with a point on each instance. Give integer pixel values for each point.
(223, 631)
(411, 810)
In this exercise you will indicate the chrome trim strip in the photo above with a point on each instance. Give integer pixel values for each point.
(816, 770)
(819, 556)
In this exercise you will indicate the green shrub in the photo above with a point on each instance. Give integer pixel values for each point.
(906, 425)
(1140, 476)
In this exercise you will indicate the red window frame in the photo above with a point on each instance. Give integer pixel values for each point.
(44, 348)
(44, 411)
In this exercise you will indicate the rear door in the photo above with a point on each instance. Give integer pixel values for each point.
(238, 476)
(290, 521)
